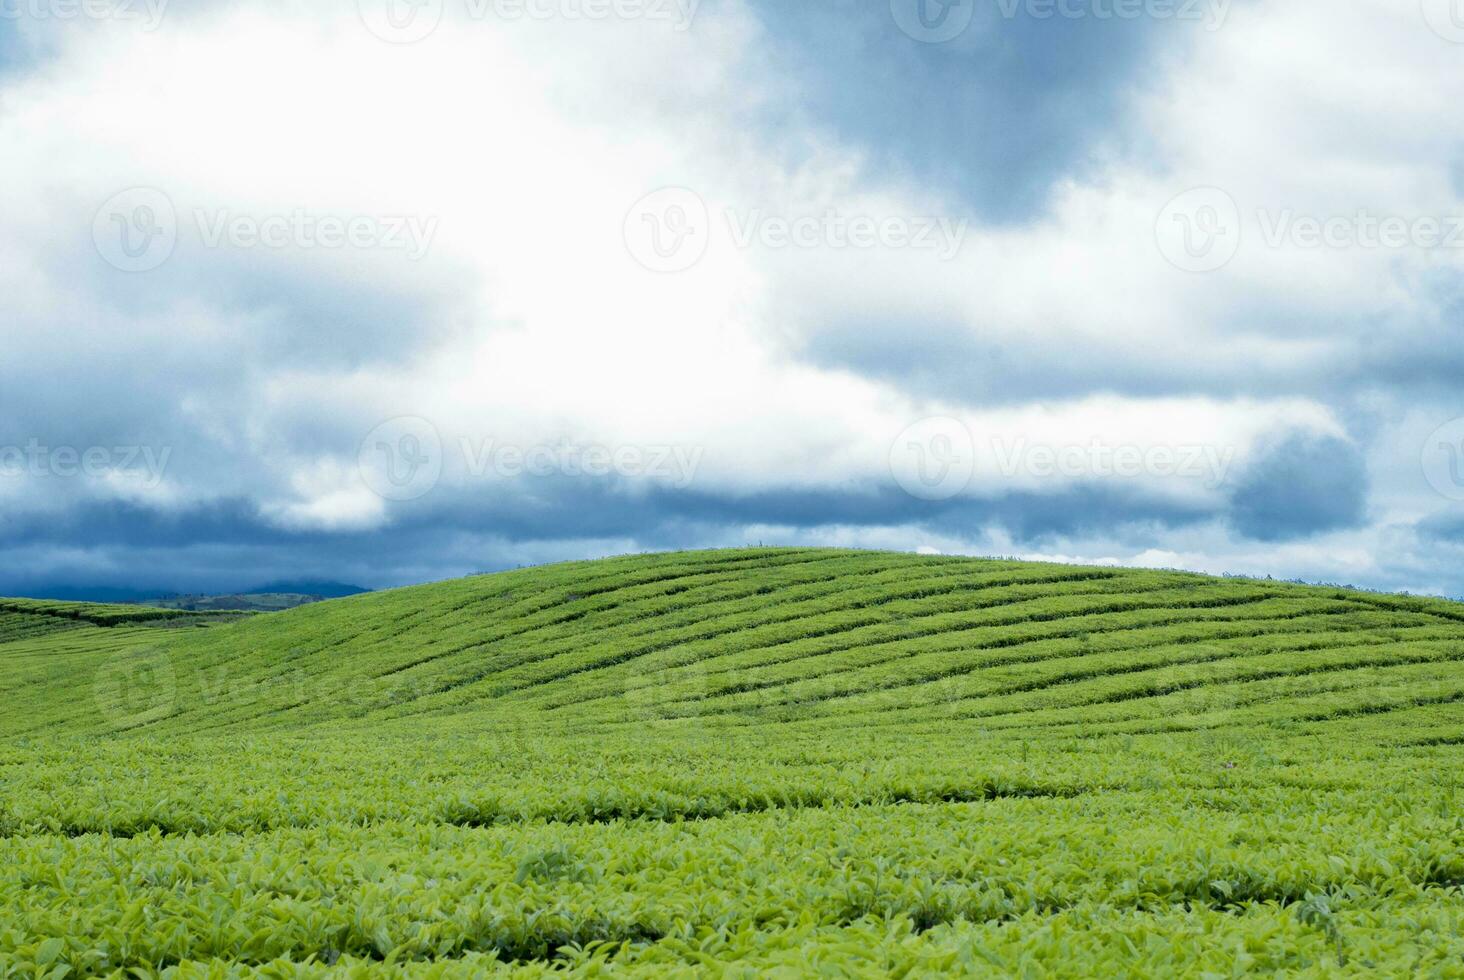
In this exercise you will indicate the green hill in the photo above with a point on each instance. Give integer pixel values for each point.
(743, 761)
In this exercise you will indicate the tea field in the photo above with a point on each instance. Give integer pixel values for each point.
(762, 762)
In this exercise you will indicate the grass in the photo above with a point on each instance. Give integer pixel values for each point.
(767, 761)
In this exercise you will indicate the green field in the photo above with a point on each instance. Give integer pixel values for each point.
(748, 763)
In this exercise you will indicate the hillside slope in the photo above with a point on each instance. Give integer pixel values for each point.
(743, 762)
(795, 637)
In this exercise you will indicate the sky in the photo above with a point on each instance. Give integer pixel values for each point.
(401, 290)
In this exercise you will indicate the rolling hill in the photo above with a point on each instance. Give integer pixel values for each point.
(744, 762)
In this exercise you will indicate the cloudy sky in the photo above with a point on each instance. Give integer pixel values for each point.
(397, 291)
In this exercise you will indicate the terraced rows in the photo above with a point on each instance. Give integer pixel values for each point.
(741, 762)
(794, 637)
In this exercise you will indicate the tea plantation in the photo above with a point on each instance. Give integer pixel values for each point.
(766, 762)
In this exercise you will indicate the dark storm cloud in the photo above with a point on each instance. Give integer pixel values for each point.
(995, 115)
(1029, 517)
(228, 544)
(1445, 527)
(964, 364)
(1294, 490)
(121, 524)
(1302, 487)
(984, 364)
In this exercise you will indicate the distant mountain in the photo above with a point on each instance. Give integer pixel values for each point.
(273, 596)
(325, 590)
